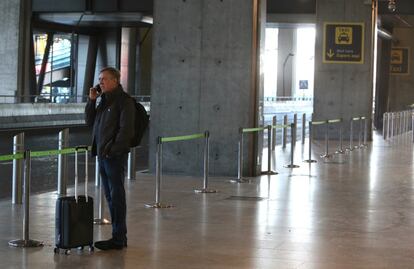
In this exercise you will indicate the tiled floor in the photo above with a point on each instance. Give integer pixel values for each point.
(353, 211)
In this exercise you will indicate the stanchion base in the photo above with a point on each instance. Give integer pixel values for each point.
(349, 149)
(291, 166)
(158, 205)
(205, 191)
(235, 181)
(310, 161)
(20, 243)
(326, 156)
(340, 151)
(101, 221)
(269, 173)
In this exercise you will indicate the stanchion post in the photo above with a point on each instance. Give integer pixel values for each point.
(285, 120)
(365, 132)
(292, 147)
(360, 133)
(206, 165)
(341, 138)
(26, 241)
(351, 135)
(310, 143)
(97, 173)
(274, 123)
(240, 161)
(158, 175)
(326, 155)
(295, 122)
(132, 166)
(63, 162)
(18, 169)
(384, 126)
(303, 128)
(269, 153)
(392, 125)
(100, 220)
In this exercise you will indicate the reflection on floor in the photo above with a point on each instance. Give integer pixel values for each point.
(352, 211)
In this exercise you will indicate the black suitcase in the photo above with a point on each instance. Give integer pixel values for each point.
(74, 216)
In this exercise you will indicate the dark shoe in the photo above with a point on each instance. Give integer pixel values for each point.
(108, 245)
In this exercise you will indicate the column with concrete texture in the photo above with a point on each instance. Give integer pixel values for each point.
(342, 90)
(205, 76)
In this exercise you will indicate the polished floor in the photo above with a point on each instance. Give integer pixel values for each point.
(351, 211)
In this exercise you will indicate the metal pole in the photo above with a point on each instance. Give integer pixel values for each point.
(132, 164)
(365, 132)
(97, 173)
(63, 162)
(351, 135)
(274, 122)
(310, 144)
(158, 175)
(389, 116)
(240, 161)
(26, 242)
(392, 124)
(341, 149)
(384, 127)
(269, 152)
(206, 165)
(285, 120)
(295, 122)
(18, 169)
(360, 133)
(303, 128)
(326, 155)
(292, 147)
(100, 220)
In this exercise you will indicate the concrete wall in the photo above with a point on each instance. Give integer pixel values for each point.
(401, 91)
(203, 78)
(9, 46)
(342, 90)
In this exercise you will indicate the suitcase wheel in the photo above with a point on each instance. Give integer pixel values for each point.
(67, 251)
(55, 250)
(91, 248)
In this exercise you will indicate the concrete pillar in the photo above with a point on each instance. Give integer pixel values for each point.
(285, 61)
(15, 47)
(90, 65)
(145, 63)
(128, 59)
(205, 76)
(342, 90)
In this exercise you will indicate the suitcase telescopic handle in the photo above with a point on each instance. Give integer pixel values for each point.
(77, 148)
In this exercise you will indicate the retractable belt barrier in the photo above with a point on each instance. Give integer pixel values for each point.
(340, 150)
(397, 123)
(158, 165)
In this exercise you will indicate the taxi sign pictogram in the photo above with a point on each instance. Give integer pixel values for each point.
(343, 43)
(399, 62)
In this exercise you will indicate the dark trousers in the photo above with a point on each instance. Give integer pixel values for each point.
(112, 174)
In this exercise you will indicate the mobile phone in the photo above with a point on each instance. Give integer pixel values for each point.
(98, 88)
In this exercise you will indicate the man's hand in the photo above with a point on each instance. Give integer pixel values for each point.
(93, 93)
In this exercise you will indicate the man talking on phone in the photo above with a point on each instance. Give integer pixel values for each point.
(110, 112)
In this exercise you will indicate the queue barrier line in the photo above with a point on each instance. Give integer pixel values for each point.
(335, 121)
(158, 166)
(251, 130)
(44, 153)
(181, 138)
(318, 122)
(356, 118)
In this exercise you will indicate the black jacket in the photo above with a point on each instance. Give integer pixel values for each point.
(112, 122)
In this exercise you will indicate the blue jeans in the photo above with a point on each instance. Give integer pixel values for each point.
(112, 174)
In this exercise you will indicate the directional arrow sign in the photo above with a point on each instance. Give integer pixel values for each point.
(330, 53)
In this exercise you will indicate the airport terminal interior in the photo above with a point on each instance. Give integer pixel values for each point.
(280, 132)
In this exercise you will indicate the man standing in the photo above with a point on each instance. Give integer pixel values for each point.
(110, 111)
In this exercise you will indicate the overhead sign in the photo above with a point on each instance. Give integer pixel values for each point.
(303, 85)
(343, 42)
(400, 61)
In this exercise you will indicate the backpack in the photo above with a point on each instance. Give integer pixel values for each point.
(140, 124)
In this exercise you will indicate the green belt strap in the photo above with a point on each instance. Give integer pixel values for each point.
(363, 118)
(318, 122)
(250, 130)
(10, 157)
(280, 126)
(40, 154)
(334, 121)
(181, 138)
